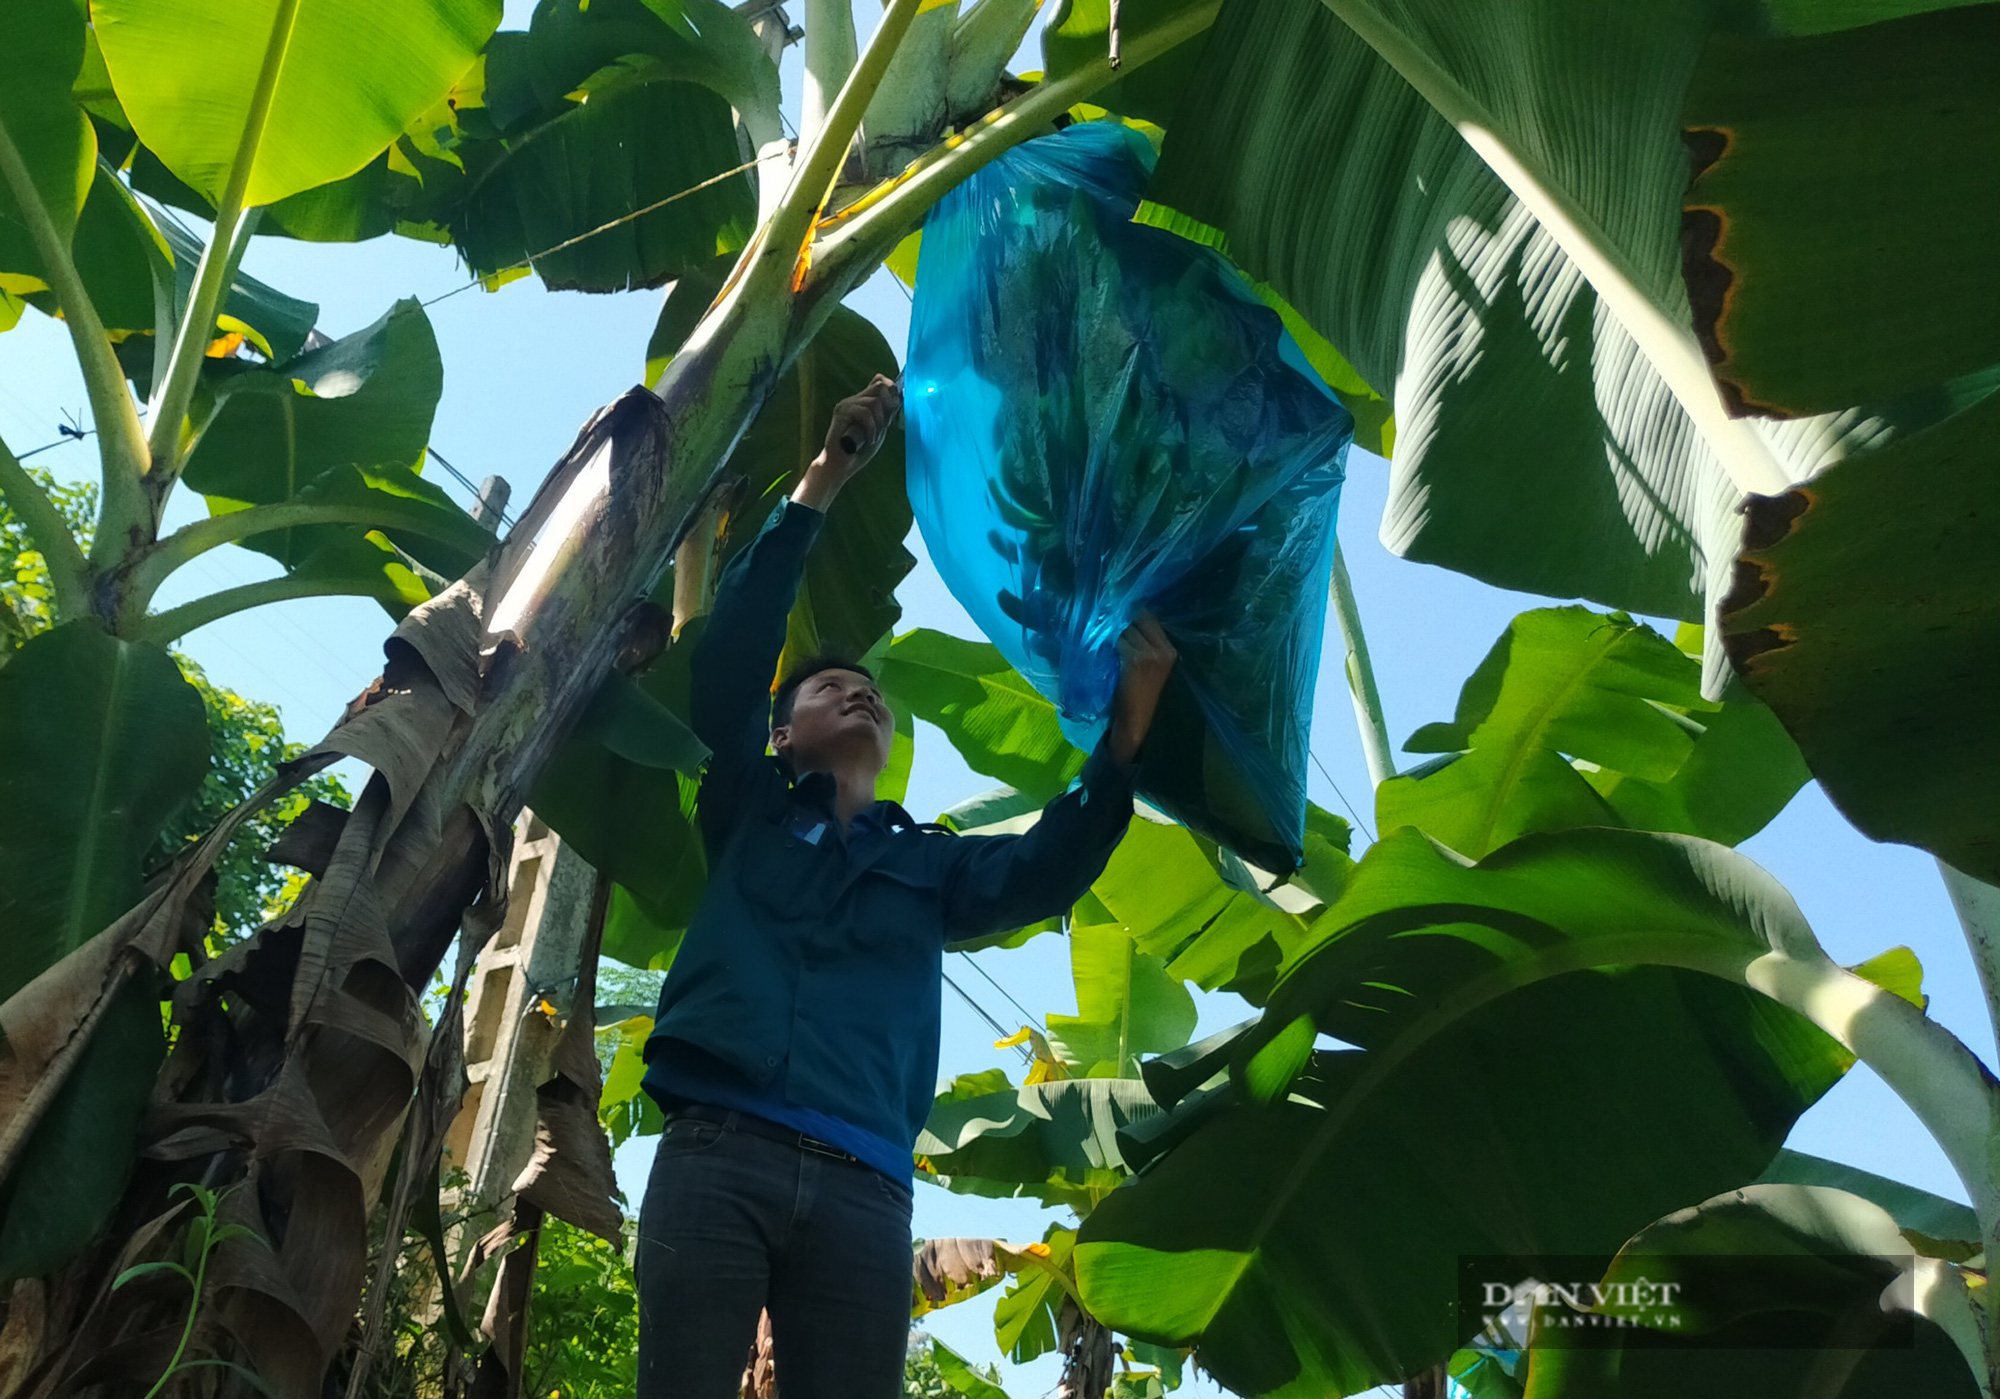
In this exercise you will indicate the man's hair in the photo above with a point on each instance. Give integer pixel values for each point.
(788, 690)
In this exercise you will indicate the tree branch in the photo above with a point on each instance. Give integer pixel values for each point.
(69, 575)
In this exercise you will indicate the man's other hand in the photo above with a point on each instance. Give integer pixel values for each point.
(1145, 660)
(852, 439)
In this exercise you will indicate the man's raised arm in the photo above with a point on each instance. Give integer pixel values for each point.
(1000, 882)
(737, 655)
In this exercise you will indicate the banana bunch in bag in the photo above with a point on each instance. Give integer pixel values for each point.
(1104, 419)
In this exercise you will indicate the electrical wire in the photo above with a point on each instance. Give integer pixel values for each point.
(506, 520)
(1027, 1055)
(1359, 823)
(1028, 1014)
(527, 265)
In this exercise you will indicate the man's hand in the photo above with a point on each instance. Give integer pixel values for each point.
(852, 439)
(1145, 660)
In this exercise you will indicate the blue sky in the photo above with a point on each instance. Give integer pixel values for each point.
(524, 368)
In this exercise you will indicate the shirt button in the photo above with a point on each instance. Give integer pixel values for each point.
(771, 1061)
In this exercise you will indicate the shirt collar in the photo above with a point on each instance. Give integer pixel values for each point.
(819, 790)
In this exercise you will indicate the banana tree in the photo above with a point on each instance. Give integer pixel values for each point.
(1537, 224)
(1503, 977)
(421, 124)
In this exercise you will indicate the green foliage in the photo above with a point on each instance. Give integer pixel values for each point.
(623, 1106)
(1838, 250)
(336, 89)
(1865, 616)
(1580, 719)
(597, 112)
(205, 1234)
(246, 737)
(1079, 31)
(1127, 1006)
(343, 426)
(103, 744)
(25, 593)
(1056, 1140)
(848, 603)
(1542, 448)
(584, 1338)
(49, 136)
(61, 1193)
(1461, 986)
(1773, 1279)
(997, 721)
(959, 1375)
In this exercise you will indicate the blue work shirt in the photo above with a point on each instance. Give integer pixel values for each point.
(807, 990)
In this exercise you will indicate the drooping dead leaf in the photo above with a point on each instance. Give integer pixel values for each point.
(944, 1272)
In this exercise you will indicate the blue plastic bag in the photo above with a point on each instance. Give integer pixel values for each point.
(1103, 418)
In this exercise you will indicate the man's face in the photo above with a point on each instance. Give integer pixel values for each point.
(836, 716)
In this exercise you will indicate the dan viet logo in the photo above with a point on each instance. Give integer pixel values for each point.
(1817, 1301)
(1510, 1309)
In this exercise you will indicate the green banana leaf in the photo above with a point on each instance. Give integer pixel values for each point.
(1301, 1222)
(998, 722)
(1128, 1005)
(1838, 246)
(1931, 1216)
(281, 97)
(849, 602)
(119, 258)
(1024, 1319)
(103, 742)
(1782, 1290)
(1865, 614)
(1079, 32)
(72, 1171)
(1056, 1141)
(1164, 888)
(1539, 446)
(639, 141)
(1576, 718)
(343, 426)
(53, 142)
(534, 75)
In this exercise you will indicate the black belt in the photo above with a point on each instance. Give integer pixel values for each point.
(731, 1120)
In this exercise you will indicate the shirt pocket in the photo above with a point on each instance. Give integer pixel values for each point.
(782, 873)
(897, 908)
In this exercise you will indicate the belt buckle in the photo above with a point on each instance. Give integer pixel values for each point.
(818, 1147)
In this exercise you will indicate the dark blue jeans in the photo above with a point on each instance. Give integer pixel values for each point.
(734, 1223)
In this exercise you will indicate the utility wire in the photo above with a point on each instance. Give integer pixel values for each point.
(506, 521)
(533, 258)
(1361, 824)
(1005, 992)
(1026, 1054)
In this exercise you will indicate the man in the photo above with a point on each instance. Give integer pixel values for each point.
(795, 1051)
